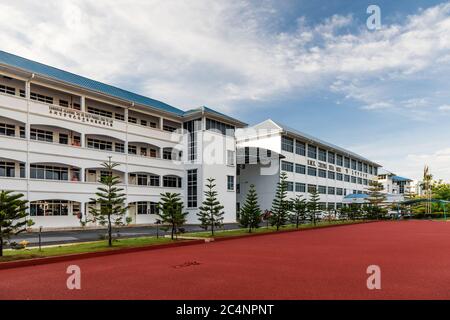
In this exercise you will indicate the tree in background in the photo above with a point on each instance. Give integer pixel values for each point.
(280, 203)
(426, 185)
(170, 210)
(298, 209)
(313, 204)
(109, 206)
(441, 190)
(250, 213)
(12, 216)
(211, 214)
(376, 199)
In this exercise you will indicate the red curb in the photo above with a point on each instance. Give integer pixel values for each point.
(290, 230)
(78, 256)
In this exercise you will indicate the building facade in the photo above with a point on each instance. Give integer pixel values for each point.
(309, 163)
(56, 128)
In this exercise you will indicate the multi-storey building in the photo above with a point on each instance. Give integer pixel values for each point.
(56, 128)
(269, 148)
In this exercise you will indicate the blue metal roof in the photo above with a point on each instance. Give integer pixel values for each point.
(356, 196)
(400, 179)
(74, 79)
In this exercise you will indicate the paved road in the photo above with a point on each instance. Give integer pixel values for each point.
(60, 237)
(329, 263)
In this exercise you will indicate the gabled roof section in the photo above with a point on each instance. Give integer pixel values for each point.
(308, 137)
(74, 79)
(207, 110)
(400, 179)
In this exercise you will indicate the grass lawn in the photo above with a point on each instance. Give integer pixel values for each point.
(264, 229)
(10, 255)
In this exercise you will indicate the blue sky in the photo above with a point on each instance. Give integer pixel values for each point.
(312, 65)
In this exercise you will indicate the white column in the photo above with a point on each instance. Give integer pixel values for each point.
(83, 103)
(161, 123)
(27, 89)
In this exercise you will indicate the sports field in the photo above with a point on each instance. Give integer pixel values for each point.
(331, 263)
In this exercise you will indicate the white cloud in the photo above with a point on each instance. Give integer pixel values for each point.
(445, 107)
(222, 53)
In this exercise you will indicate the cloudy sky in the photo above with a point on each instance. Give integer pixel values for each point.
(313, 65)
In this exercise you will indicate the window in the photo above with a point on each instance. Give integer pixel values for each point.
(22, 170)
(287, 166)
(76, 106)
(100, 112)
(365, 167)
(154, 208)
(300, 148)
(353, 179)
(119, 116)
(41, 135)
(346, 178)
(360, 166)
(300, 187)
(192, 188)
(322, 155)
(119, 147)
(143, 122)
(142, 180)
(7, 130)
(22, 93)
(7, 169)
(312, 171)
(8, 90)
(299, 168)
(311, 188)
(370, 169)
(132, 149)
(192, 127)
(353, 164)
(322, 189)
(331, 190)
(63, 103)
(154, 180)
(153, 152)
(230, 157)
(41, 98)
(339, 160)
(21, 132)
(99, 144)
(167, 154)
(359, 180)
(63, 138)
(290, 186)
(347, 162)
(312, 152)
(287, 144)
(224, 128)
(331, 175)
(171, 182)
(141, 207)
(132, 119)
(230, 183)
(339, 191)
(365, 182)
(49, 208)
(322, 173)
(331, 157)
(169, 128)
(339, 176)
(49, 172)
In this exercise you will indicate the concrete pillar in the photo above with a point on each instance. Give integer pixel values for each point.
(83, 103)
(161, 123)
(27, 89)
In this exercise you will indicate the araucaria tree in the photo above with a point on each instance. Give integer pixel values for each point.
(250, 215)
(280, 203)
(109, 206)
(211, 214)
(313, 204)
(298, 209)
(376, 199)
(170, 210)
(12, 216)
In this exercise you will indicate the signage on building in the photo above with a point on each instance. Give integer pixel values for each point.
(80, 116)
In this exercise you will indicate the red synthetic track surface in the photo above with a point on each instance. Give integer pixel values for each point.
(414, 257)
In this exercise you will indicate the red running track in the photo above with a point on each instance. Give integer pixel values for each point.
(414, 257)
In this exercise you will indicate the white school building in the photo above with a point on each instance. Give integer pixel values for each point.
(56, 128)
